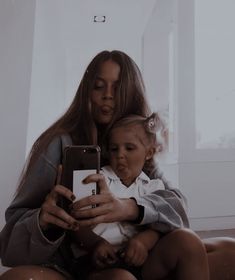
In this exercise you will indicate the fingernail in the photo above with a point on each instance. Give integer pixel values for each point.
(73, 197)
(75, 225)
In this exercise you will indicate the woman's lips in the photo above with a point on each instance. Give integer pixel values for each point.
(107, 110)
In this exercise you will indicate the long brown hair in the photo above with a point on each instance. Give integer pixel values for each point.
(77, 121)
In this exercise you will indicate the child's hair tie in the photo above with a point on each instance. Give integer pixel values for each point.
(152, 123)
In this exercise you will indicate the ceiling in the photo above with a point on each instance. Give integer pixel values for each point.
(130, 14)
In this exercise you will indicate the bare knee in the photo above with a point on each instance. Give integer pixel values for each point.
(187, 242)
(219, 244)
(180, 251)
(31, 272)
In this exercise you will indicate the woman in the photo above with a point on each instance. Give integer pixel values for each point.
(35, 234)
(36, 226)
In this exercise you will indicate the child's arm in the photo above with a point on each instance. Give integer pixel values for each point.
(148, 238)
(103, 253)
(136, 251)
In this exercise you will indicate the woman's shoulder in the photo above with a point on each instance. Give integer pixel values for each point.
(55, 149)
(59, 141)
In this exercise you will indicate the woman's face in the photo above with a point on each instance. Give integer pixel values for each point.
(128, 152)
(103, 93)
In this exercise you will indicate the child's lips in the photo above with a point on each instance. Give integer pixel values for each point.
(121, 167)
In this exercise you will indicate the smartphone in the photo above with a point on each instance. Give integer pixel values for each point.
(79, 162)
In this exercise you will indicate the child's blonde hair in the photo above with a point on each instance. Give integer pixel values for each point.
(153, 127)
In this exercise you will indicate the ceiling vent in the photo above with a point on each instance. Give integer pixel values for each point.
(99, 18)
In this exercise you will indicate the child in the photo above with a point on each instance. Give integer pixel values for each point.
(132, 146)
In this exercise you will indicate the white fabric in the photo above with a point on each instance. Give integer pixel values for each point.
(117, 233)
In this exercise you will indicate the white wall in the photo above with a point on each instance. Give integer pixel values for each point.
(159, 71)
(65, 40)
(205, 175)
(16, 33)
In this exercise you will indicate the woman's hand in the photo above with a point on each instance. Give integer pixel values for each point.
(51, 214)
(109, 207)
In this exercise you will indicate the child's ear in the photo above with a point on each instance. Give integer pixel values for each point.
(150, 153)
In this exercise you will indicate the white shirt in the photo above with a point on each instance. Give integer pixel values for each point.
(117, 233)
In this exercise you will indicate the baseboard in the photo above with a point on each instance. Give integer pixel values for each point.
(212, 223)
(3, 269)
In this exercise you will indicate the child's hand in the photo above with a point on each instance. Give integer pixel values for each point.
(135, 253)
(104, 254)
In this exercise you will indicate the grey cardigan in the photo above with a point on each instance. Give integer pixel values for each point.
(22, 242)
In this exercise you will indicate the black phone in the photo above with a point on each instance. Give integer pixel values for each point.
(79, 162)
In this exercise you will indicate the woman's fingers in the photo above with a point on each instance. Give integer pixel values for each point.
(60, 190)
(52, 214)
(93, 221)
(56, 216)
(100, 180)
(93, 200)
(109, 209)
(90, 218)
(103, 213)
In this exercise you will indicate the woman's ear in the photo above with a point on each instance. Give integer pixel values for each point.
(150, 153)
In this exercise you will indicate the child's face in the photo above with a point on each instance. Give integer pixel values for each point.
(128, 152)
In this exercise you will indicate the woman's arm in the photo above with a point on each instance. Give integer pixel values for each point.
(29, 227)
(110, 208)
(162, 208)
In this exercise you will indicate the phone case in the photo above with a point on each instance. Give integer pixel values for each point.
(78, 162)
